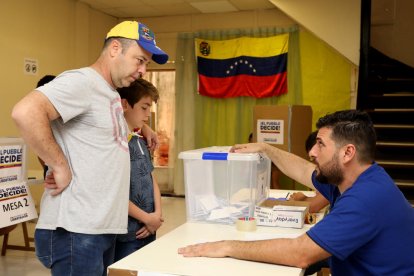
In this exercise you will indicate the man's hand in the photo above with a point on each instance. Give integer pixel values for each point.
(249, 148)
(57, 180)
(209, 249)
(151, 136)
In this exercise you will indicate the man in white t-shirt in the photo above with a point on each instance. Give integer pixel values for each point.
(75, 124)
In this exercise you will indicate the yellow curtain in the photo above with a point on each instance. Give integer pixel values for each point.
(326, 76)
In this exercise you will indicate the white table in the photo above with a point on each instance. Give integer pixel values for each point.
(161, 257)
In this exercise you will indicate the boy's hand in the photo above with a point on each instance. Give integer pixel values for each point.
(153, 222)
(142, 233)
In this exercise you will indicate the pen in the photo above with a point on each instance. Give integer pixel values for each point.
(287, 195)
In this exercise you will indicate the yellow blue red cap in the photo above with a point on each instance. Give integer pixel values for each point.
(143, 35)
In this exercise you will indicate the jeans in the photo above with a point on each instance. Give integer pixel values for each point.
(123, 249)
(74, 254)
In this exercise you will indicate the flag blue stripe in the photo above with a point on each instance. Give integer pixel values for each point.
(254, 66)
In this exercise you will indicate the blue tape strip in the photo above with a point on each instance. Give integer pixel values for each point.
(214, 156)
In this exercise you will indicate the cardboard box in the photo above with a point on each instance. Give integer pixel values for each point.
(281, 213)
(221, 187)
(283, 126)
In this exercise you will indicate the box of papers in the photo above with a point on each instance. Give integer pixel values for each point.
(281, 213)
(221, 186)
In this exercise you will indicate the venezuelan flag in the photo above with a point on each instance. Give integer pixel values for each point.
(245, 66)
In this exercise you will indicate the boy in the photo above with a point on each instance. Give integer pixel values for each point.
(144, 208)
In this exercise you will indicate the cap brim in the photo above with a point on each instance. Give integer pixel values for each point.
(158, 55)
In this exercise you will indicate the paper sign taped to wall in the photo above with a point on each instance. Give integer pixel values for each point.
(270, 131)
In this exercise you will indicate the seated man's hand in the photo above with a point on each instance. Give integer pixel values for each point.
(298, 196)
(208, 249)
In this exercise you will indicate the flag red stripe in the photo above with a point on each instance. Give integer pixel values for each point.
(243, 85)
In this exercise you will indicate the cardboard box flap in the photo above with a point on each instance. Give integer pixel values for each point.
(269, 203)
(289, 208)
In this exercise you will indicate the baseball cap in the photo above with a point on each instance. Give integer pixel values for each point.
(143, 35)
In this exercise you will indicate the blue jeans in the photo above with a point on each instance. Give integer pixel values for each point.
(74, 254)
(123, 249)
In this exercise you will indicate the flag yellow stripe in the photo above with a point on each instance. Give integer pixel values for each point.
(243, 46)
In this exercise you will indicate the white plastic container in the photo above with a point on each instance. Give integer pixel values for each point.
(221, 186)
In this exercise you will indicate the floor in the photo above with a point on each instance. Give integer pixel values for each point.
(24, 263)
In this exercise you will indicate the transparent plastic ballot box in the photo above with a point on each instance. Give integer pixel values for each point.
(220, 186)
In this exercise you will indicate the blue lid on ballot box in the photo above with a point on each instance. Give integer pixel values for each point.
(221, 186)
(218, 153)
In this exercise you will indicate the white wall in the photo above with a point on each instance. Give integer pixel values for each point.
(60, 35)
(166, 28)
(337, 22)
(392, 29)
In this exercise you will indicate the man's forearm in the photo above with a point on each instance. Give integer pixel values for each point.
(267, 251)
(299, 252)
(34, 126)
(290, 164)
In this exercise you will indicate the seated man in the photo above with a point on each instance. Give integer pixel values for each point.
(359, 234)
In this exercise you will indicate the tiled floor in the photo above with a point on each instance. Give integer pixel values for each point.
(24, 263)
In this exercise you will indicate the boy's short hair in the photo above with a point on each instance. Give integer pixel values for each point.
(44, 80)
(310, 141)
(138, 90)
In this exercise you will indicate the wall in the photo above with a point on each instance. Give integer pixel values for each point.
(392, 27)
(166, 28)
(60, 34)
(335, 22)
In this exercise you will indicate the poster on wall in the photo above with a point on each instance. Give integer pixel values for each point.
(16, 202)
(270, 131)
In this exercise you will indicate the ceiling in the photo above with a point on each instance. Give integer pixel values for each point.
(154, 8)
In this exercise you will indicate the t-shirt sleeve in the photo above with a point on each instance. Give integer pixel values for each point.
(68, 94)
(346, 228)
